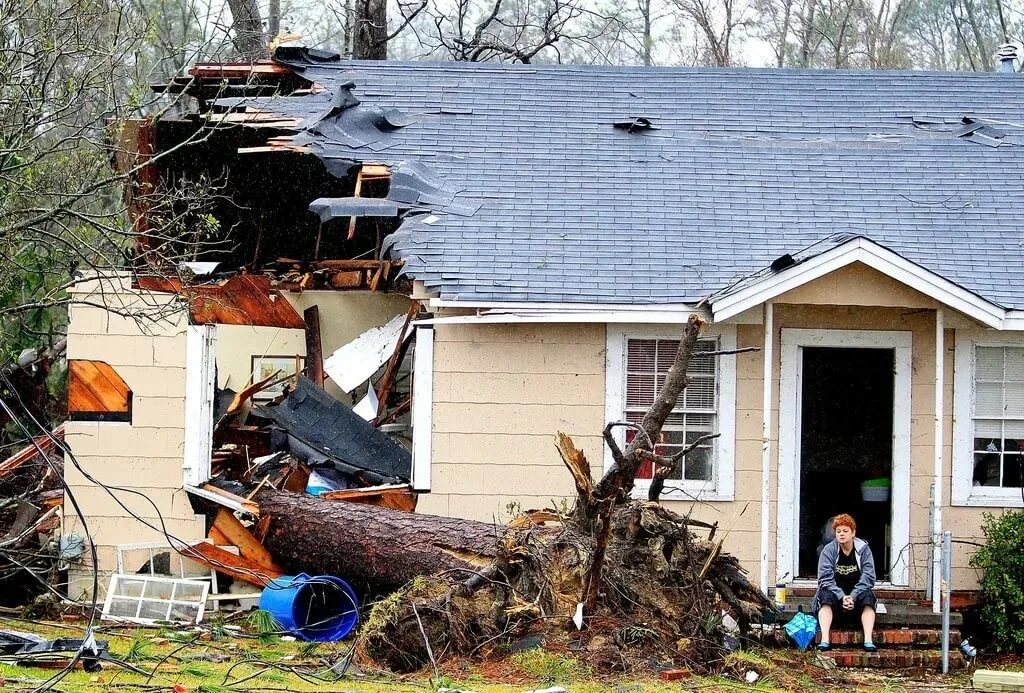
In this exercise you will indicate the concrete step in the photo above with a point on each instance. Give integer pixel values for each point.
(902, 638)
(894, 659)
(898, 614)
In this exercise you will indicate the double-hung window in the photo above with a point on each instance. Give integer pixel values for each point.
(988, 456)
(638, 363)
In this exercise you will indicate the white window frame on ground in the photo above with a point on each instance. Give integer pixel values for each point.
(722, 484)
(964, 493)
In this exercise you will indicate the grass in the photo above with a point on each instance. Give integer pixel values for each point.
(216, 660)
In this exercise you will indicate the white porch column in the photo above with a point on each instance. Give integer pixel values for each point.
(766, 437)
(936, 529)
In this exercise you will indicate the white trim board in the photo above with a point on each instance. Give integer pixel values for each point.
(873, 255)
(200, 385)
(422, 407)
(963, 493)
(722, 488)
(790, 387)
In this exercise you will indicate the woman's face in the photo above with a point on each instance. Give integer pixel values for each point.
(845, 534)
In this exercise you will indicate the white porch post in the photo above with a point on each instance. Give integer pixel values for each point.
(766, 438)
(936, 529)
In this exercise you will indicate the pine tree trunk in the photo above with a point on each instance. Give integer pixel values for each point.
(372, 547)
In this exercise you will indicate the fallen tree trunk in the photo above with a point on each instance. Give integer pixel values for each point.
(371, 546)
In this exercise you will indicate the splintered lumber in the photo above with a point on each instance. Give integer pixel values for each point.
(395, 497)
(371, 545)
(238, 535)
(223, 561)
(44, 442)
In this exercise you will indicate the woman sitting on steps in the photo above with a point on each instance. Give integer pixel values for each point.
(846, 576)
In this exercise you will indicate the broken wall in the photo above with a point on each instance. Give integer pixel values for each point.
(344, 315)
(239, 345)
(145, 345)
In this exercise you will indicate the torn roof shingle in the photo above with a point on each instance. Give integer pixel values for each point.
(552, 203)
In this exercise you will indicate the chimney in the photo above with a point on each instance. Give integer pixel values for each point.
(1008, 55)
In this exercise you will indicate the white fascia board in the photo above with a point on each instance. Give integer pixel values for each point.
(650, 317)
(874, 256)
(1014, 320)
(437, 303)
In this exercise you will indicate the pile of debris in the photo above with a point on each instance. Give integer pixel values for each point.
(31, 496)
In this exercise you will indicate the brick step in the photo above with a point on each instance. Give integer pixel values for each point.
(886, 594)
(894, 659)
(896, 637)
(897, 615)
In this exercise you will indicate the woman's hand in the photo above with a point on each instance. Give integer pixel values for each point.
(848, 603)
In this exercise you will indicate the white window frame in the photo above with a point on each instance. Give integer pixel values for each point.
(721, 487)
(964, 493)
(200, 389)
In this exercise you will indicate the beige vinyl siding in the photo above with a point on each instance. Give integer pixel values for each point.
(501, 392)
(146, 455)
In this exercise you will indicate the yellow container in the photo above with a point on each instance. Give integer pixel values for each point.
(780, 594)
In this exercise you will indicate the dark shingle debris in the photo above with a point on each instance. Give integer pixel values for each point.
(979, 131)
(638, 124)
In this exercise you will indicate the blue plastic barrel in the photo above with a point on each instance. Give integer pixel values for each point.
(321, 609)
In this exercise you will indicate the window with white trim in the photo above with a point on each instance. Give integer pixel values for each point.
(647, 362)
(998, 416)
(988, 419)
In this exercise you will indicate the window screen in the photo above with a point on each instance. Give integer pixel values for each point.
(998, 416)
(695, 413)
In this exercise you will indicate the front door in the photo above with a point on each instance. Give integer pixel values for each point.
(844, 446)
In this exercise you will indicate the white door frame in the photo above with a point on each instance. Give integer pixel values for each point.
(790, 389)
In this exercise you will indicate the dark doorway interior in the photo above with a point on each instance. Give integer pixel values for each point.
(845, 440)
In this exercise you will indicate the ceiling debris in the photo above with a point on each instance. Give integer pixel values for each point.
(354, 363)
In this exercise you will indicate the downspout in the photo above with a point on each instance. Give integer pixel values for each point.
(766, 438)
(936, 529)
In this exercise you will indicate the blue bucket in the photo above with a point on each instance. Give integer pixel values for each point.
(321, 609)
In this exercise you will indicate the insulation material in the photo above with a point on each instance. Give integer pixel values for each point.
(354, 364)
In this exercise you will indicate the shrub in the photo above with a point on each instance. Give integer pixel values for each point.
(1002, 582)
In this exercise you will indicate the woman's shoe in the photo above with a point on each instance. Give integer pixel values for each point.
(870, 647)
(824, 647)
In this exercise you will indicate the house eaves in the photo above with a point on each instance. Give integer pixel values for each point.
(859, 249)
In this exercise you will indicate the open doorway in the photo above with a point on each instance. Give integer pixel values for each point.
(846, 448)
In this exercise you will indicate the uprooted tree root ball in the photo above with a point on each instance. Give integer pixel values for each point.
(662, 594)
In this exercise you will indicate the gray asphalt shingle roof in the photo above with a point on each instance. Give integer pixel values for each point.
(551, 203)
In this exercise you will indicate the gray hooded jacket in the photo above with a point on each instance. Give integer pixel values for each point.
(827, 570)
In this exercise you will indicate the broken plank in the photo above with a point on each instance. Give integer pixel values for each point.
(224, 498)
(44, 442)
(228, 563)
(314, 348)
(396, 497)
(348, 264)
(238, 535)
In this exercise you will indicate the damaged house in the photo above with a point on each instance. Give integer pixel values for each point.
(421, 272)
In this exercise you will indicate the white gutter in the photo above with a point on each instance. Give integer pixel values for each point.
(537, 315)
(940, 371)
(437, 303)
(766, 439)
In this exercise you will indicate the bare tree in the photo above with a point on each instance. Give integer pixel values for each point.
(717, 21)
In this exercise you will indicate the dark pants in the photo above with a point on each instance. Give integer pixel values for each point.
(865, 598)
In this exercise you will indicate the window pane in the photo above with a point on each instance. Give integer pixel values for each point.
(667, 350)
(641, 355)
(988, 399)
(700, 423)
(703, 364)
(986, 468)
(698, 464)
(986, 429)
(1013, 470)
(1013, 429)
(1015, 364)
(639, 390)
(1013, 399)
(988, 363)
(700, 394)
